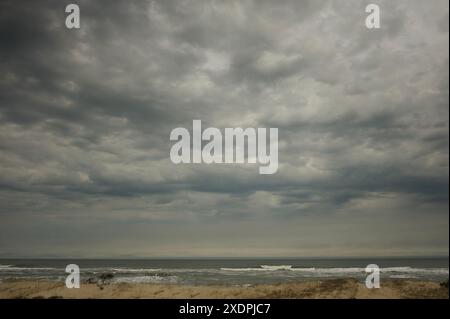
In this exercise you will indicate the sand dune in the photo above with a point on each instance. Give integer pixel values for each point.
(332, 288)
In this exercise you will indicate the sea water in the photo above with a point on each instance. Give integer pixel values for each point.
(230, 271)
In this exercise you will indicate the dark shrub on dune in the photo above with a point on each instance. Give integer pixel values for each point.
(101, 279)
(106, 276)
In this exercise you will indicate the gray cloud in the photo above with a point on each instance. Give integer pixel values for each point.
(85, 117)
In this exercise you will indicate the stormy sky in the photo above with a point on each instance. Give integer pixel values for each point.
(86, 114)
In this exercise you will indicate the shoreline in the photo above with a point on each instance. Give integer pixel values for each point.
(349, 288)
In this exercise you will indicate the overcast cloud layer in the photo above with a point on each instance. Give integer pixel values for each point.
(85, 118)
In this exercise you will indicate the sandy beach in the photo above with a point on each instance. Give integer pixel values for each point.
(330, 288)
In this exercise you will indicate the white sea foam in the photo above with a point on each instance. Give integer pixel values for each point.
(404, 276)
(134, 270)
(147, 279)
(341, 270)
(435, 271)
(281, 267)
(290, 268)
(11, 268)
(333, 270)
(269, 268)
(243, 269)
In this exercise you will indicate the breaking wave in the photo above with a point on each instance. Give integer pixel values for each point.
(347, 270)
(146, 279)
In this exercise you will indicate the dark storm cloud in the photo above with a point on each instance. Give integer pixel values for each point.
(86, 115)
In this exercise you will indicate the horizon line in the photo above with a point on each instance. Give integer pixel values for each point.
(226, 257)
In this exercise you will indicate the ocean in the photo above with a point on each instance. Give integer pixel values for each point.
(231, 271)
